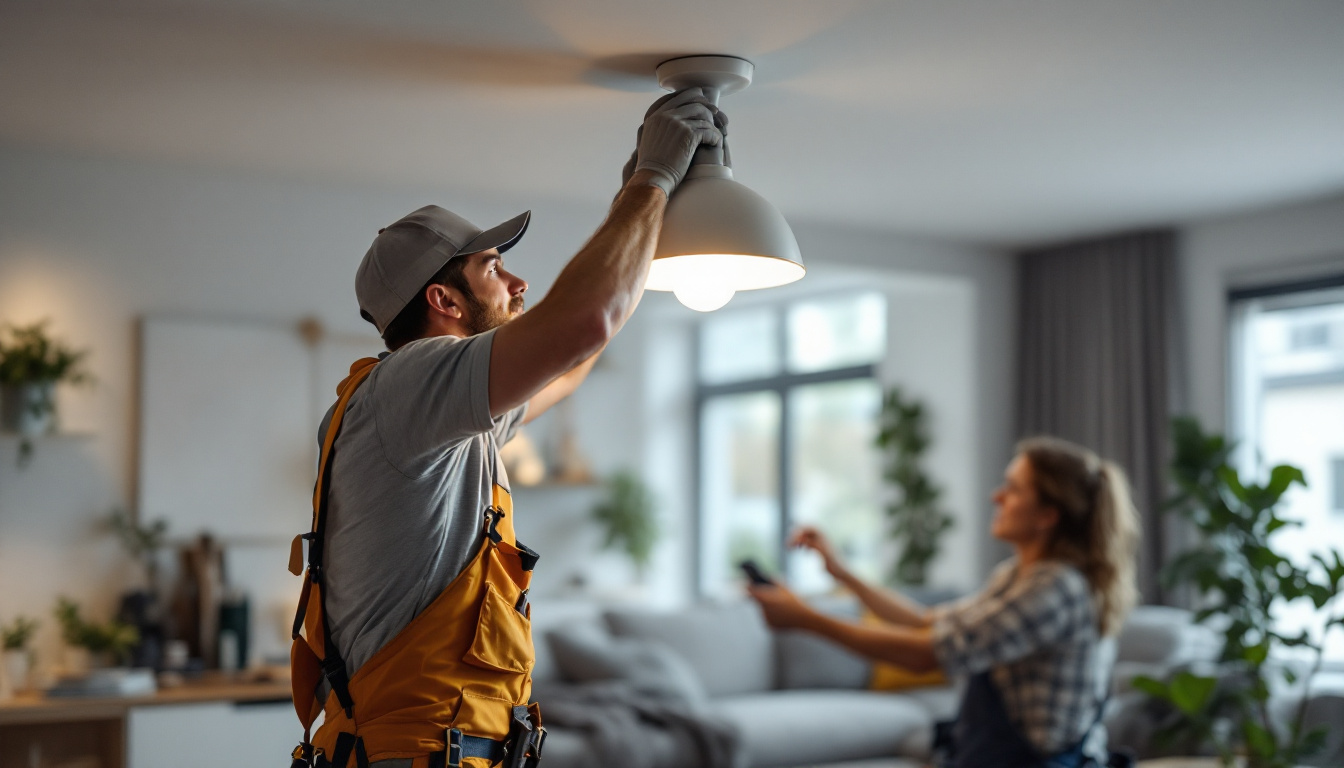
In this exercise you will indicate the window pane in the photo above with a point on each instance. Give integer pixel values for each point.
(836, 480)
(740, 488)
(740, 345)
(1289, 355)
(837, 332)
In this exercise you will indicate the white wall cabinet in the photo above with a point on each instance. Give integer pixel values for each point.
(211, 735)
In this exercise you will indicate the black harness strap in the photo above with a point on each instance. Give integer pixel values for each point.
(528, 556)
(333, 666)
(346, 743)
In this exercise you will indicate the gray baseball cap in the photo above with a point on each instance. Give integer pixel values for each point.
(406, 254)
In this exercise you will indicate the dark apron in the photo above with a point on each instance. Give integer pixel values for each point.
(984, 737)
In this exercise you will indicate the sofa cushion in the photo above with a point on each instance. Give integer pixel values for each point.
(586, 653)
(728, 645)
(1158, 634)
(549, 614)
(786, 728)
(807, 660)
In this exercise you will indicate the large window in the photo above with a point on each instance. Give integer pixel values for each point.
(787, 403)
(1287, 365)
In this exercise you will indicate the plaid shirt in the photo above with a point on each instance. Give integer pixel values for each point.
(1037, 634)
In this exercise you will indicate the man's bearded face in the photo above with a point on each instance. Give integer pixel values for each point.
(481, 317)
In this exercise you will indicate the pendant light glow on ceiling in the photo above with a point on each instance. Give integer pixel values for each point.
(718, 236)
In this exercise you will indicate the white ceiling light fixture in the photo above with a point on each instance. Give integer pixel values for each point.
(718, 236)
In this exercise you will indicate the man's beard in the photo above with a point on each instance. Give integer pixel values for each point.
(481, 318)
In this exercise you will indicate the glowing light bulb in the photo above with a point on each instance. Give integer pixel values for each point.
(703, 295)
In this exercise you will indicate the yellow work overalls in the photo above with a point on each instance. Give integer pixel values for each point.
(452, 684)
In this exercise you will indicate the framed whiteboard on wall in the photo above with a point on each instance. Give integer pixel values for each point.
(229, 411)
(225, 445)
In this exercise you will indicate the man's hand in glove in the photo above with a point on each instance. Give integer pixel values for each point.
(674, 127)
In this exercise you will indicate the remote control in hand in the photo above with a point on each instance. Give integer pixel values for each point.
(755, 573)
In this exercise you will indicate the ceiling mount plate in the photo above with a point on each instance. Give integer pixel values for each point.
(727, 74)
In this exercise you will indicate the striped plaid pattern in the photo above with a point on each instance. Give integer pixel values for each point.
(1037, 633)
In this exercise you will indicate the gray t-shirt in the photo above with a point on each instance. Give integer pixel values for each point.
(409, 484)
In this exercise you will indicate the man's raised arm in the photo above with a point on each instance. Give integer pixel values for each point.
(599, 288)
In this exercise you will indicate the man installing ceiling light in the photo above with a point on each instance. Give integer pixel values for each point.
(416, 641)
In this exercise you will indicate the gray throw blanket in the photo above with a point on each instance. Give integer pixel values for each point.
(617, 720)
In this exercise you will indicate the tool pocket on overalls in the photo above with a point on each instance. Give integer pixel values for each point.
(503, 635)
(483, 715)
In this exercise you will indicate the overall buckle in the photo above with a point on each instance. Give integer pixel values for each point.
(454, 748)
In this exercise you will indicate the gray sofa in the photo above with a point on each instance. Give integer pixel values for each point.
(789, 699)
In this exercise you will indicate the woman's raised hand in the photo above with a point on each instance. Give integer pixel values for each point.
(810, 538)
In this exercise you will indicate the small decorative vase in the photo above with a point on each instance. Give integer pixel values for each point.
(15, 671)
(28, 408)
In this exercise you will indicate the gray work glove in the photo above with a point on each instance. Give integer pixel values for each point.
(720, 122)
(674, 127)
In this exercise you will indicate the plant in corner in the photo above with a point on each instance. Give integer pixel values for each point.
(1241, 582)
(917, 520)
(113, 639)
(628, 516)
(31, 364)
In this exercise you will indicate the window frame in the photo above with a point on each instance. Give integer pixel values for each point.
(783, 384)
(1239, 428)
(1235, 398)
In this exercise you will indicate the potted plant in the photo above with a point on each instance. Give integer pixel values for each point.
(141, 542)
(917, 521)
(1241, 581)
(31, 363)
(104, 644)
(14, 637)
(143, 607)
(628, 516)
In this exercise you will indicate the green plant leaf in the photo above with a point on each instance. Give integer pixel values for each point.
(1282, 477)
(1256, 654)
(1152, 687)
(1334, 572)
(1259, 739)
(1190, 692)
(1228, 476)
(1276, 523)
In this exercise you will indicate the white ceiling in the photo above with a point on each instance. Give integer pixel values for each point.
(997, 121)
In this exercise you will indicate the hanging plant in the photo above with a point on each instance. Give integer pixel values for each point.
(30, 356)
(917, 521)
(628, 515)
(31, 364)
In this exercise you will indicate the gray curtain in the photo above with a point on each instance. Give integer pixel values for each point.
(1098, 336)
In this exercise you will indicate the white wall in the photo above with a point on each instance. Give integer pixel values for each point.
(1257, 248)
(96, 243)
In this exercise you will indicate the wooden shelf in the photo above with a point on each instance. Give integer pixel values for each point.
(34, 707)
(16, 436)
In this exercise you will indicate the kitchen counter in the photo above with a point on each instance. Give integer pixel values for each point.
(96, 731)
